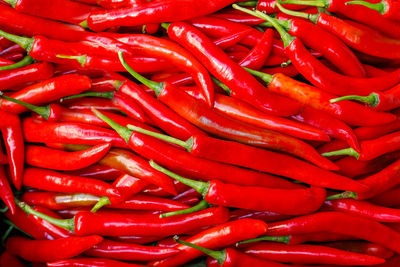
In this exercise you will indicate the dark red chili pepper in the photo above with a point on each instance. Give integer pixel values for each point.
(99, 172)
(9, 259)
(382, 101)
(212, 57)
(12, 133)
(47, 91)
(363, 248)
(50, 250)
(206, 118)
(237, 109)
(144, 202)
(222, 235)
(388, 8)
(58, 182)
(340, 223)
(347, 111)
(6, 193)
(31, 73)
(310, 254)
(54, 231)
(69, 133)
(290, 70)
(14, 56)
(130, 252)
(54, 159)
(319, 237)
(160, 12)
(373, 71)
(90, 262)
(23, 24)
(266, 216)
(296, 201)
(5, 62)
(27, 60)
(388, 198)
(92, 102)
(13, 48)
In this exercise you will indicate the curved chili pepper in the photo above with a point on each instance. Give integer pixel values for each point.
(269, 6)
(296, 201)
(266, 216)
(143, 202)
(90, 262)
(350, 112)
(388, 8)
(362, 248)
(8, 259)
(47, 91)
(222, 235)
(69, 133)
(54, 159)
(178, 56)
(382, 101)
(58, 182)
(204, 117)
(187, 164)
(364, 209)
(51, 229)
(98, 171)
(6, 193)
(231, 39)
(310, 254)
(31, 73)
(340, 223)
(88, 103)
(160, 12)
(129, 251)
(12, 133)
(320, 75)
(50, 250)
(129, 106)
(387, 198)
(5, 62)
(237, 109)
(248, 89)
(290, 70)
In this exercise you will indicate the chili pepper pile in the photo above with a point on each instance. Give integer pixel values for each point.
(200, 133)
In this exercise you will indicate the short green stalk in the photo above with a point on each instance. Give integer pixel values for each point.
(283, 239)
(27, 60)
(381, 7)
(342, 152)
(44, 112)
(200, 206)
(372, 99)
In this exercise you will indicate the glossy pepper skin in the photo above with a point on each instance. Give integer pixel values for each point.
(388, 8)
(50, 250)
(90, 262)
(6, 193)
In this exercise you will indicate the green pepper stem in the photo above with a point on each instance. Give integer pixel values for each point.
(13, 3)
(283, 239)
(109, 95)
(200, 187)
(372, 99)
(222, 85)
(248, 3)
(220, 256)
(200, 206)
(311, 17)
(265, 77)
(68, 224)
(381, 7)
(42, 111)
(15, 227)
(101, 203)
(185, 144)
(27, 60)
(124, 132)
(84, 24)
(24, 42)
(81, 59)
(345, 194)
(155, 86)
(342, 152)
(165, 25)
(316, 3)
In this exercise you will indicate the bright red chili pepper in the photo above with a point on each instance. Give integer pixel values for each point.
(12, 133)
(144, 202)
(266, 216)
(31, 73)
(310, 254)
(5, 62)
(50, 250)
(283, 201)
(54, 159)
(55, 231)
(388, 8)
(363, 248)
(231, 39)
(27, 60)
(69, 133)
(388, 198)
(347, 111)
(92, 102)
(90, 262)
(269, 6)
(72, 12)
(248, 89)
(160, 11)
(58, 182)
(6, 193)
(290, 70)
(9, 259)
(222, 235)
(98, 171)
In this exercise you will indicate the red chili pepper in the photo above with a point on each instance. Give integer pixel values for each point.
(222, 235)
(143, 202)
(6, 193)
(221, 126)
(58, 182)
(129, 251)
(212, 57)
(47, 91)
(54, 159)
(31, 73)
(382, 101)
(388, 198)
(269, 6)
(347, 111)
(88, 103)
(98, 171)
(10, 125)
(310, 254)
(69, 133)
(231, 39)
(373, 132)
(160, 12)
(363, 248)
(290, 70)
(340, 223)
(50, 250)
(72, 12)
(388, 8)
(55, 231)
(9, 259)
(5, 62)
(266, 216)
(296, 201)
(90, 262)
